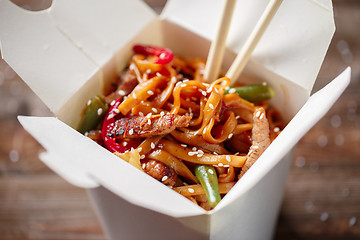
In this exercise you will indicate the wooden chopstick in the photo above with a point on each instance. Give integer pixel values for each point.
(244, 54)
(217, 49)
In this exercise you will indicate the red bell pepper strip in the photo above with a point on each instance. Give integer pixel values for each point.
(164, 55)
(108, 125)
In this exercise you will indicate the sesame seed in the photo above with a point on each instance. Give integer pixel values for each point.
(237, 117)
(149, 121)
(200, 151)
(183, 85)
(121, 92)
(203, 93)
(257, 114)
(192, 153)
(124, 144)
(230, 135)
(141, 114)
(134, 95)
(262, 116)
(228, 158)
(352, 221)
(131, 131)
(324, 216)
(194, 148)
(220, 164)
(183, 145)
(142, 156)
(132, 67)
(152, 145)
(162, 55)
(149, 115)
(314, 166)
(14, 155)
(226, 165)
(191, 190)
(173, 79)
(150, 92)
(162, 113)
(139, 149)
(112, 102)
(185, 80)
(211, 106)
(215, 153)
(110, 116)
(143, 165)
(255, 147)
(148, 71)
(232, 90)
(158, 74)
(154, 110)
(164, 178)
(211, 171)
(89, 102)
(276, 129)
(300, 161)
(322, 141)
(99, 111)
(116, 110)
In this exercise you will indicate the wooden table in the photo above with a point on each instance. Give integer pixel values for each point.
(322, 196)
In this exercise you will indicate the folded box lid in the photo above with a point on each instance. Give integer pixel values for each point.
(293, 46)
(55, 51)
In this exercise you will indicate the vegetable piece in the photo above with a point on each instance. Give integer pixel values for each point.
(253, 92)
(108, 125)
(164, 55)
(208, 179)
(94, 113)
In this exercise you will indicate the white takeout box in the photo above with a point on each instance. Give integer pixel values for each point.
(67, 53)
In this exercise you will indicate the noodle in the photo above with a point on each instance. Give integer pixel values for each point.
(164, 119)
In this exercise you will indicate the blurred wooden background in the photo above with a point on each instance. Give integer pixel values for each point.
(322, 197)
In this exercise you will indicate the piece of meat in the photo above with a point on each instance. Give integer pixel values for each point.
(141, 127)
(128, 83)
(260, 139)
(160, 171)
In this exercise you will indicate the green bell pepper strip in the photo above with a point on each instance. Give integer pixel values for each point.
(207, 176)
(253, 92)
(94, 113)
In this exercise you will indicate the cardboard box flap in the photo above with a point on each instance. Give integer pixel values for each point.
(101, 29)
(293, 46)
(313, 110)
(41, 55)
(84, 163)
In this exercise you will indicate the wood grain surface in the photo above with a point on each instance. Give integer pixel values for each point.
(322, 196)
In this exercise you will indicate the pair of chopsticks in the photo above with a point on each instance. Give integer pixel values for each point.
(217, 48)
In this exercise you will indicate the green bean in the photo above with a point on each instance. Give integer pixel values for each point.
(253, 93)
(94, 113)
(209, 181)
